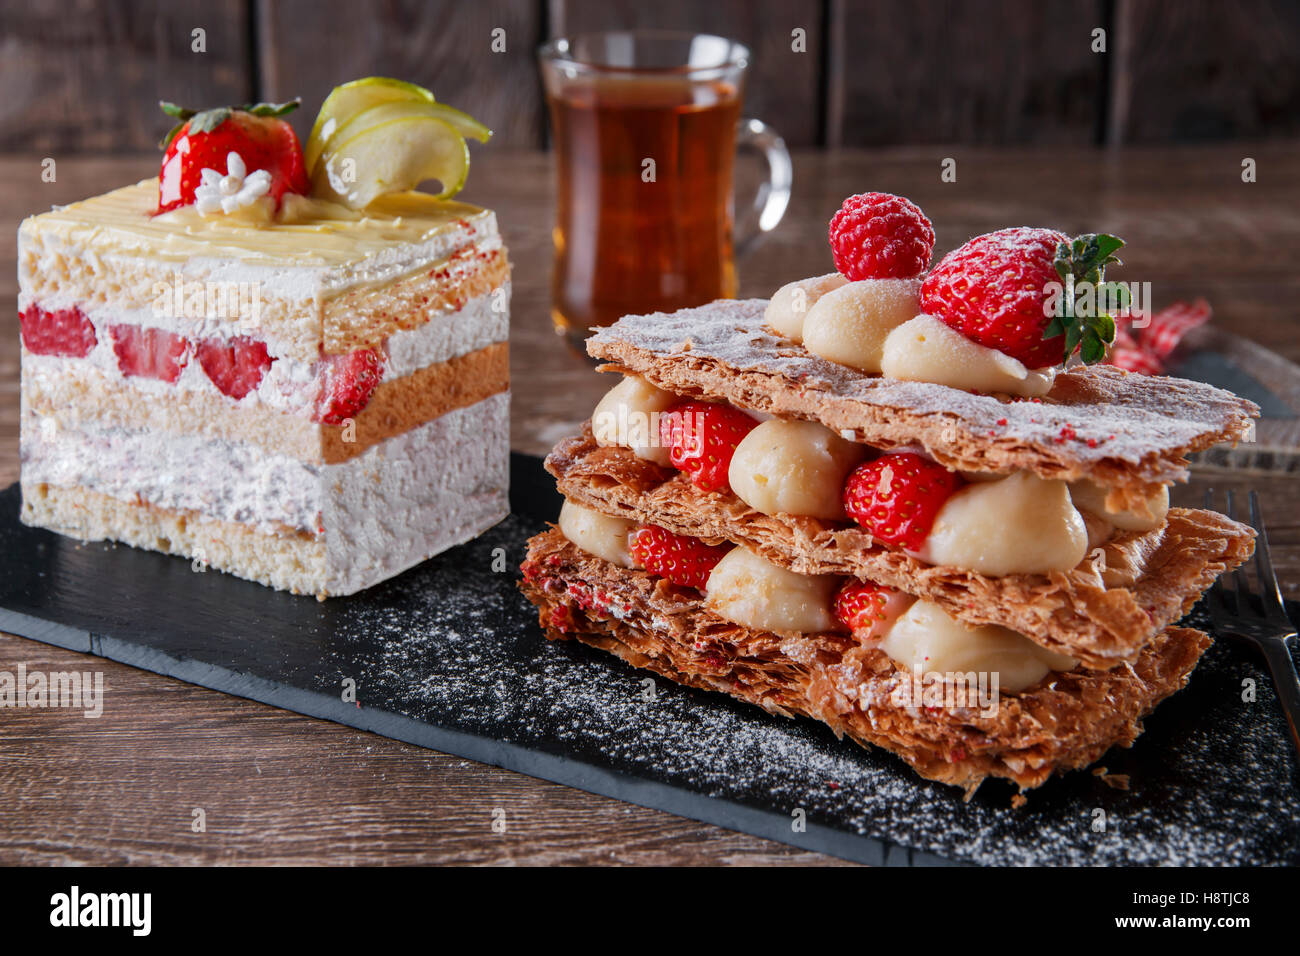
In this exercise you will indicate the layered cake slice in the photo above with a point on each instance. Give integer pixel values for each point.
(840, 503)
(300, 387)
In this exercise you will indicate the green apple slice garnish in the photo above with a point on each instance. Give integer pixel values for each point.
(392, 156)
(463, 123)
(346, 101)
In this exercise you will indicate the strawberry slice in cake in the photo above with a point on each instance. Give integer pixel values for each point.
(903, 503)
(225, 364)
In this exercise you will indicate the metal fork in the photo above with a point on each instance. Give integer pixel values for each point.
(1234, 613)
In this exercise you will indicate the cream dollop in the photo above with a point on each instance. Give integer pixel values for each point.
(925, 639)
(235, 189)
(599, 534)
(628, 416)
(793, 467)
(1091, 497)
(849, 325)
(1021, 524)
(924, 349)
(788, 307)
(752, 592)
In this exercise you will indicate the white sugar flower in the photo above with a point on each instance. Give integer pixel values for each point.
(236, 189)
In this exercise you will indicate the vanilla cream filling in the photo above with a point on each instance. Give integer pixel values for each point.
(793, 467)
(1021, 524)
(1090, 497)
(595, 533)
(924, 349)
(628, 417)
(850, 325)
(926, 640)
(752, 592)
(789, 305)
(994, 525)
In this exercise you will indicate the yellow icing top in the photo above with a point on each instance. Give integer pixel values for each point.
(306, 232)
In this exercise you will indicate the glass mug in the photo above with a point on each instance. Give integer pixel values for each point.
(646, 125)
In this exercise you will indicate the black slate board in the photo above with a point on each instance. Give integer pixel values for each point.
(449, 656)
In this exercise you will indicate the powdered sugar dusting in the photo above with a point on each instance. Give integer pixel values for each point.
(454, 644)
(1094, 414)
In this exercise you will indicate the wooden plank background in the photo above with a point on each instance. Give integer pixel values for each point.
(84, 76)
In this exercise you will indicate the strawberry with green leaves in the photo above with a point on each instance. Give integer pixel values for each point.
(1082, 263)
(258, 134)
(1003, 290)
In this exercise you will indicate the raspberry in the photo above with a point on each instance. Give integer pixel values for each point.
(994, 290)
(881, 236)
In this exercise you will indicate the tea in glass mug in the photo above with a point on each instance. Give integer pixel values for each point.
(645, 127)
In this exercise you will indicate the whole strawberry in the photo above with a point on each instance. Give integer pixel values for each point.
(701, 438)
(868, 609)
(204, 140)
(896, 497)
(675, 557)
(994, 289)
(880, 236)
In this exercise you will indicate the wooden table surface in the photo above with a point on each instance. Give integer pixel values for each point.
(276, 787)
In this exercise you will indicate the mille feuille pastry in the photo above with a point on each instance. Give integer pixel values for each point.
(875, 501)
(290, 368)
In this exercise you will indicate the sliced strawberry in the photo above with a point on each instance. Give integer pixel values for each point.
(349, 381)
(149, 353)
(701, 438)
(675, 557)
(204, 140)
(896, 497)
(235, 366)
(63, 332)
(869, 609)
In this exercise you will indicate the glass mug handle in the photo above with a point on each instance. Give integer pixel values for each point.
(774, 193)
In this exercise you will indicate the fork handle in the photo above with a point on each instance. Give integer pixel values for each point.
(1287, 683)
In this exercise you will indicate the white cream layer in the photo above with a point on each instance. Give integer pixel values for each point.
(366, 501)
(416, 495)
